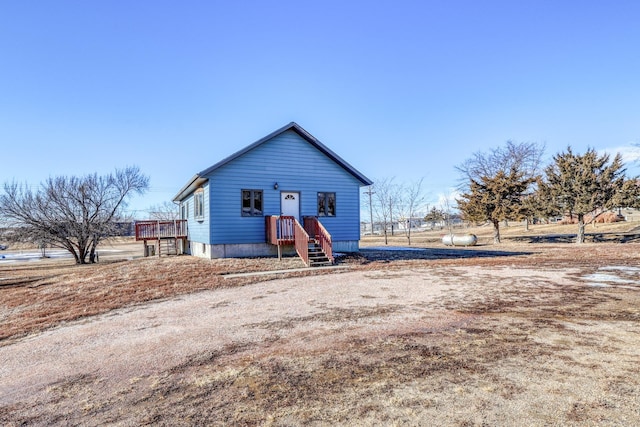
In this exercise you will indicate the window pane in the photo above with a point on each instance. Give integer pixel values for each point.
(321, 205)
(257, 202)
(252, 204)
(246, 202)
(198, 205)
(331, 204)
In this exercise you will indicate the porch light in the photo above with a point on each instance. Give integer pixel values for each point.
(275, 185)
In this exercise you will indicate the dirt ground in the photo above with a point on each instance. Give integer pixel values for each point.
(516, 334)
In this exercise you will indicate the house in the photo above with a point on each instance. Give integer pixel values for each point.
(415, 223)
(264, 198)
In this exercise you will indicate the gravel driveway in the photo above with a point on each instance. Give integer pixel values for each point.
(109, 369)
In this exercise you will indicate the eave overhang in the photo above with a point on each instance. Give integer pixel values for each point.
(194, 183)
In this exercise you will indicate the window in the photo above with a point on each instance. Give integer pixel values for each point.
(326, 204)
(198, 204)
(251, 202)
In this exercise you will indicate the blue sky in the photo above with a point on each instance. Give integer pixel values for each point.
(403, 89)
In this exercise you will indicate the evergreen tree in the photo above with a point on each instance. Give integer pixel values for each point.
(496, 198)
(587, 184)
(435, 214)
(495, 183)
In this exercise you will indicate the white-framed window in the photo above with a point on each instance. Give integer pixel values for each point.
(198, 204)
(326, 204)
(252, 203)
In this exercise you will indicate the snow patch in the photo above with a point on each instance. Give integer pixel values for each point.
(598, 285)
(611, 275)
(32, 256)
(393, 248)
(605, 278)
(623, 268)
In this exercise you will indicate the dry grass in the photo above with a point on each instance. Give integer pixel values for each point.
(36, 296)
(41, 295)
(515, 232)
(495, 348)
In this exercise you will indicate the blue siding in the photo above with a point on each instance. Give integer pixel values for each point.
(295, 165)
(199, 228)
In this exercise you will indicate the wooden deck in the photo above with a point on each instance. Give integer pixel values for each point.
(168, 237)
(156, 230)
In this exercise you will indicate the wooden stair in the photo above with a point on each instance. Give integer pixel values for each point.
(168, 247)
(317, 257)
(312, 242)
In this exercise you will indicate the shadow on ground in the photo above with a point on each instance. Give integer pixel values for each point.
(588, 237)
(434, 253)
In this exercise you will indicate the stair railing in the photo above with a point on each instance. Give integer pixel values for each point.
(284, 230)
(319, 233)
(301, 242)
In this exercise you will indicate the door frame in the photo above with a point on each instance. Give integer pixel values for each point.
(282, 193)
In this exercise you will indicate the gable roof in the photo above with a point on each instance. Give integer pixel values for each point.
(199, 178)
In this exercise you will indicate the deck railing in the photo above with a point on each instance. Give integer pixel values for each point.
(154, 230)
(271, 229)
(280, 230)
(286, 230)
(316, 230)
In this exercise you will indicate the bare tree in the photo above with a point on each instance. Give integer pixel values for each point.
(446, 210)
(165, 211)
(384, 200)
(395, 203)
(72, 213)
(387, 200)
(522, 157)
(413, 199)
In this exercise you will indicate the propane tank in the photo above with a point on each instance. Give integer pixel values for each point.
(459, 239)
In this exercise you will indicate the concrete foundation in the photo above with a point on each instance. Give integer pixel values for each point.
(346, 246)
(248, 250)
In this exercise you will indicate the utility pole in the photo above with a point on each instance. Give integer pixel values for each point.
(370, 193)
